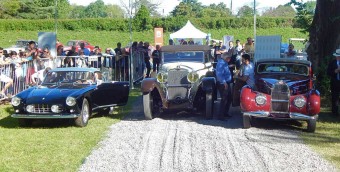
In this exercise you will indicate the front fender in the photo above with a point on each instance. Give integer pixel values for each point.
(247, 100)
(314, 102)
(208, 84)
(148, 84)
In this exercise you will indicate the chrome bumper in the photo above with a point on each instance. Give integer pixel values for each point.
(292, 115)
(45, 116)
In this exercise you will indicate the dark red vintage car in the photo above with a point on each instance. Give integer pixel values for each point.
(283, 91)
(76, 43)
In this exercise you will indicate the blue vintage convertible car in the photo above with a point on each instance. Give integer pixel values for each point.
(73, 93)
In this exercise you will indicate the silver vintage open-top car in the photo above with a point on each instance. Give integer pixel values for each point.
(185, 81)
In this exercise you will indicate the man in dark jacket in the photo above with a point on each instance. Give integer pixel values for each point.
(333, 72)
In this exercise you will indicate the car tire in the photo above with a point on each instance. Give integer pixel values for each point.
(246, 121)
(83, 118)
(25, 122)
(209, 106)
(311, 125)
(148, 106)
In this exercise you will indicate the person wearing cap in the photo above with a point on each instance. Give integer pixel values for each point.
(333, 72)
(223, 76)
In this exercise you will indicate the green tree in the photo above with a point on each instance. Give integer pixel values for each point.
(77, 11)
(96, 9)
(136, 4)
(280, 11)
(310, 6)
(9, 8)
(215, 10)
(304, 15)
(245, 11)
(182, 9)
(114, 11)
(152, 7)
(190, 8)
(323, 25)
(34, 10)
(142, 20)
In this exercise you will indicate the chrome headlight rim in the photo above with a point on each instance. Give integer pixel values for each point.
(71, 101)
(16, 101)
(192, 77)
(162, 77)
(260, 99)
(299, 102)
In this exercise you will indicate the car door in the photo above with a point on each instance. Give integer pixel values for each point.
(111, 94)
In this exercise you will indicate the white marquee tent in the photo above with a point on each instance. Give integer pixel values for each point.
(188, 31)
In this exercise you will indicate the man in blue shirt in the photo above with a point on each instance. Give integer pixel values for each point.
(223, 76)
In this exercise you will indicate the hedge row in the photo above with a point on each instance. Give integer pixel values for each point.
(169, 24)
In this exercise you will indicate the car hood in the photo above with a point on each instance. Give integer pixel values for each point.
(297, 85)
(52, 94)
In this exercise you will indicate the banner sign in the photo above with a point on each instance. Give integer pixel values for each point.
(227, 39)
(267, 47)
(158, 36)
(48, 40)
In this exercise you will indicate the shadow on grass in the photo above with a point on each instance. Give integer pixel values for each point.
(327, 130)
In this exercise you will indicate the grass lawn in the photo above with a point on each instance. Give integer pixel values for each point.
(326, 139)
(51, 145)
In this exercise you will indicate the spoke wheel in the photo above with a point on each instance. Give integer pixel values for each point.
(83, 118)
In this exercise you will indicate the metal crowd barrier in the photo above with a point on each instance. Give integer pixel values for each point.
(114, 68)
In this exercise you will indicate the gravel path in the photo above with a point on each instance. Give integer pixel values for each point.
(177, 143)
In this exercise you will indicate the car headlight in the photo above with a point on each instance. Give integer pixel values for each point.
(15, 101)
(299, 102)
(71, 101)
(162, 77)
(30, 108)
(260, 99)
(192, 77)
(55, 108)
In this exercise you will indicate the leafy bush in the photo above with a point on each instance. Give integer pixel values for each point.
(169, 24)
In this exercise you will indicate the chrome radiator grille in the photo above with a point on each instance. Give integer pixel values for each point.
(177, 84)
(43, 109)
(280, 97)
(177, 77)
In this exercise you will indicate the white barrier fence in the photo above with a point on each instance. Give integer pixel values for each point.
(19, 75)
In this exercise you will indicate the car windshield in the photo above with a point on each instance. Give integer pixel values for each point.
(299, 69)
(189, 56)
(68, 77)
(21, 43)
(71, 43)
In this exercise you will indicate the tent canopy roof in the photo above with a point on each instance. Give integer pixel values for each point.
(188, 31)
